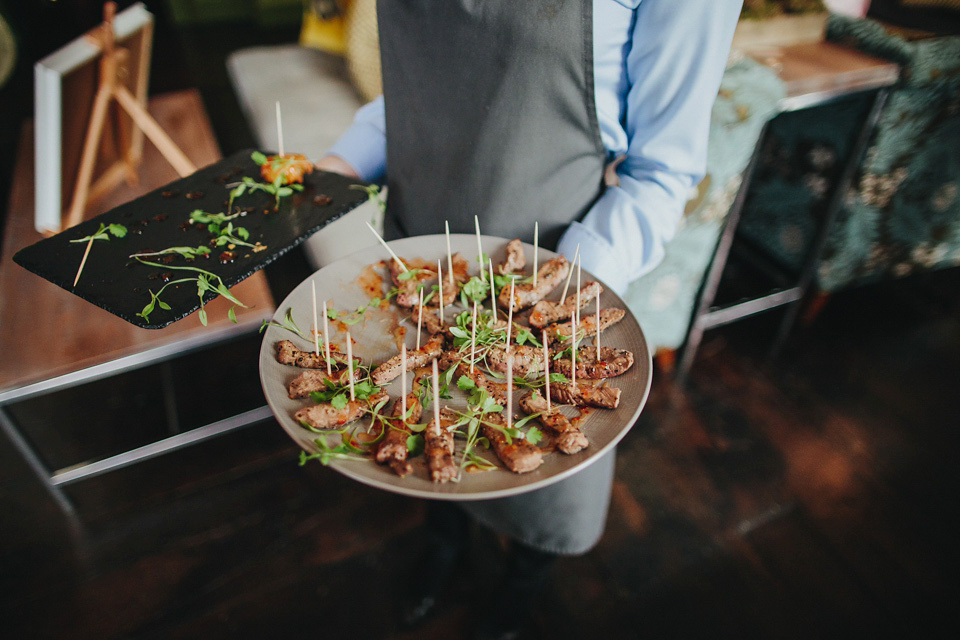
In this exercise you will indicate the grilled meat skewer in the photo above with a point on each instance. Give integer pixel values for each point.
(612, 362)
(408, 294)
(518, 455)
(588, 325)
(316, 380)
(585, 395)
(515, 260)
(288, 353)
(438, 447)
(568, 438)
(546, 312)
(526, 295)
(393, 448)
(325, 416)
(393, 367)
(526, 359)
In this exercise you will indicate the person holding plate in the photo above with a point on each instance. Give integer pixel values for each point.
(588, 117)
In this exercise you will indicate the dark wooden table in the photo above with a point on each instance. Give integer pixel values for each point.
(814, 74)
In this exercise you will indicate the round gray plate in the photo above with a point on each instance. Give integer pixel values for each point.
(341, 284)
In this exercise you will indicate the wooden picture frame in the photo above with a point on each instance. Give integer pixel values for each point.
(66, 83)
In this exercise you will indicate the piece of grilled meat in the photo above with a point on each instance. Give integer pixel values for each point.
(546, 312)
(495, 390)
(429, 320)
(560, 331)
(517, 455)
(316, 380)
(515, 261)
(526, 359)
(325, 416)
(612, 362)
(438, 447)
(586, 395)
(526, 295)
(393, 367)
(392, 450)
(567, 437)
(288, 353)
(408, 293)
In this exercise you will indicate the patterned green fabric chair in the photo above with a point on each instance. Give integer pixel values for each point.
(663, 300)
(902, 212)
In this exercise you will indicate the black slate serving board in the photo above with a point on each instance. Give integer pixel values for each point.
(161, 219)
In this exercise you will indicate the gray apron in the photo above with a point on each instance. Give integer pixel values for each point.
(490, 111)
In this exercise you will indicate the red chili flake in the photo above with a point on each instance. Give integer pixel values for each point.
(169, 193)
(194, 195)
(226, 257)
(322, 200)
(160, 217)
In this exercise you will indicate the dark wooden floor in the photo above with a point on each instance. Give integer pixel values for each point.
(807, 497)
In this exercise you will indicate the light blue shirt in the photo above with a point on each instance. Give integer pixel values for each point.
(657, 68)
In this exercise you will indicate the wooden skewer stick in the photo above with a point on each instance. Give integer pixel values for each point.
(473, 338)
(326, 337)
(436, 395)
(536, 250)
(509, 406)
(546, 366)
(576, 254)
(419, 318)
(440, 292)
(597, 339)
(578, 290)
(446, 230)
(510, 314)
(493, 293)
(316, 325)
(573, 352)
(83, 261)
(279, 131)
(350, 363)
(476, 227)
(384, 243)
(403, 381)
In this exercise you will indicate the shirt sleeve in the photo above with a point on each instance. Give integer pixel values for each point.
(364, 144)
(676, 60)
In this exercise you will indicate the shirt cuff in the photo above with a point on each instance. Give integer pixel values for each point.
(596, 256)
(363, 147)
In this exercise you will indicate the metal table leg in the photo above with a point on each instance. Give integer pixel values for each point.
(706, 316)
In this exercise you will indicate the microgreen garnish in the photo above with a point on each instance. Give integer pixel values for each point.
(287, 323)
(474, 290)
(202, 217)
(373, 194)
(409, 273)
(207, 282)
(103, 232)
(190, 253)
(277, 189)
(339, 395)
(415, 445)
(343, 451)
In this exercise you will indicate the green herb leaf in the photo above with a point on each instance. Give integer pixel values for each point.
(118, 230)
(534, 435)
(415, 444)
